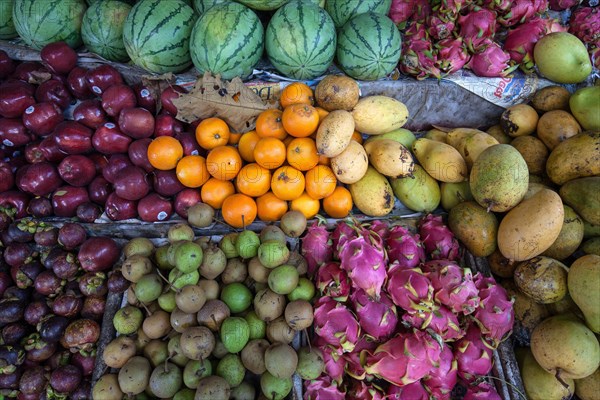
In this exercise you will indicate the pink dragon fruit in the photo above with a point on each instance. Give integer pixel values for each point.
(521, 40)
(365, 261)
(412, 391)
(495, 315)
(360, 390)
(377, 318)
(441, 380)
(381, 228)
(410, 289)
(354, 367)
(333, 281)
(448, 7)
(477, 28)
(335, 364)
(492, 62)
(404, 248)
(418, 56)
(323, 388)
(335, 324)
(404, 359)
(473, 355)
(401, 11)
(342, 233)
(422, 10)
(483, 391)
(452, 55)
(441, 321)
(523, 10)
(499, 6)
(441, 26)
(438, 239)
(584, 24)
(453, 286)
(560, 5)
(317, 247)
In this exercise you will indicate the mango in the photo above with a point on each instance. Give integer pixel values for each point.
(591, 246)
(590, 230)
(454, 193)
(544, 279)
(588, 388)
(419, 192)
(584, 281)
(531, 227)
(576, 157)
(376, 115)
(436, 134)
(534, 152)
(401, 135)
(442, 161)
(372, 194)
(455, 136)
(334, 133)
(583, 195)
(351, 164)
(569, 238)
(540, 384)
(390, 158)
(497, 133)
(474, 227)
(499, 178)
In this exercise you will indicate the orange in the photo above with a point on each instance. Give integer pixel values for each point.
(212, 132)
(302, 154)
(295, 93)
(234, 138)
(320, 182)
(246, 145)
(224, 162)
(339, 203)
(268, 124)
(287, 183)
(239, 210)
(253, 180)
(191, 171)
(306, 205)
(322, 113)
(300, 120)
(357, 137)
(269, 153)
(270, 207)
(215, 191)
(164, 152)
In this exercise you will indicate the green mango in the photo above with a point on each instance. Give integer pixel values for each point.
(454, 193)
(582, 195)
(419, 192)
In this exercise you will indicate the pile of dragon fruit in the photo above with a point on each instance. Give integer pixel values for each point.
(400, 317)
(491, 37)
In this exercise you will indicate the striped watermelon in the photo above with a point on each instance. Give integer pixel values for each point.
(7, 27)
(228, 39)
(342, 11)
(40, 22)
(263, 4)
(202, 5)
(368, 46)
(300, 40)
(102, 29)
(157, 37)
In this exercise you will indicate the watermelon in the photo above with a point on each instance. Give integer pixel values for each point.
(265, 5)
(157, 37)
(102, 29)
(40, 22)
(368, 46)
(300, 40)
(202, 5)
(342, 11)
(228, 40)
(7, 27)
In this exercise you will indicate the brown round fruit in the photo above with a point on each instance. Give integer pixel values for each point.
(337, 92)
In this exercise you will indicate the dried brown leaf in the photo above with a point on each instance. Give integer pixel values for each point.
(231, 101)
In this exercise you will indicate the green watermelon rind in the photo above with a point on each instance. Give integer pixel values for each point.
(40, 22)
(342, 11)
(305, 21)
(263, 5)
(369, 47)
(157, 37)
(7, 26)
(102, 29)
(201, 6)
(222, 43)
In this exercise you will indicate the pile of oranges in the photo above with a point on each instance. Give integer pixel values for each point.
(262, 173)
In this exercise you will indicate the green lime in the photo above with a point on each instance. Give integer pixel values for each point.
(188, 257)
(235, 334)
(237, 297)
(258, 327)
(304, 291)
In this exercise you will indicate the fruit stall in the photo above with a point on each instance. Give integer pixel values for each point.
(300, 199)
